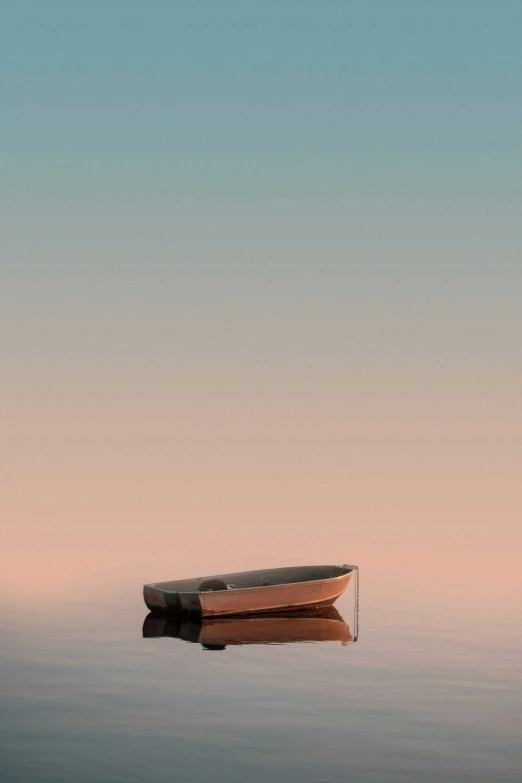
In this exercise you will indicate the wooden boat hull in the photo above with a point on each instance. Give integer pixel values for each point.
(324, 625)
(251, 592)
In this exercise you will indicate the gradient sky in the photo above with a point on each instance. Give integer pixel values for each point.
(260, 293)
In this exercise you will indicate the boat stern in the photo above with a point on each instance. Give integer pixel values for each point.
(158, 599)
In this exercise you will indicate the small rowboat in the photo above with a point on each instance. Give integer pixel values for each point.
(216, 633)
(251, 592)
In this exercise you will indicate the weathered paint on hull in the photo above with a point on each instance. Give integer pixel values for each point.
(273, 598)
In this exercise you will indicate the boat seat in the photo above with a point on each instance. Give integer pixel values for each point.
(245, 587)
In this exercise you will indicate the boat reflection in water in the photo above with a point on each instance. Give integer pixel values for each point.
(216, 633)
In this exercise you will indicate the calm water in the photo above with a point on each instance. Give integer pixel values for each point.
(430, 691)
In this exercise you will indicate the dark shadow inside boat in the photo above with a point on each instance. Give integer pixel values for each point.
(247, 579)
(311, 625)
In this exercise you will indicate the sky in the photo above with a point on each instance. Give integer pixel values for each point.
(260, 287)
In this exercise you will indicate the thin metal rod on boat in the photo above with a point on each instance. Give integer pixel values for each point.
(356, 606)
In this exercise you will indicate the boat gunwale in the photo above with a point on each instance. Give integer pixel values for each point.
(255, 587)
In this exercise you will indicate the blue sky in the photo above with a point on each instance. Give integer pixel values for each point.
(263, 141)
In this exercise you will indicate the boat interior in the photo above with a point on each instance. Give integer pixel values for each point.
(246, 579)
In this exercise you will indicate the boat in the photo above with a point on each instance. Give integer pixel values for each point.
(216, 633)
(251, 592)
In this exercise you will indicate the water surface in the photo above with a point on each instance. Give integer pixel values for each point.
(430, 691)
